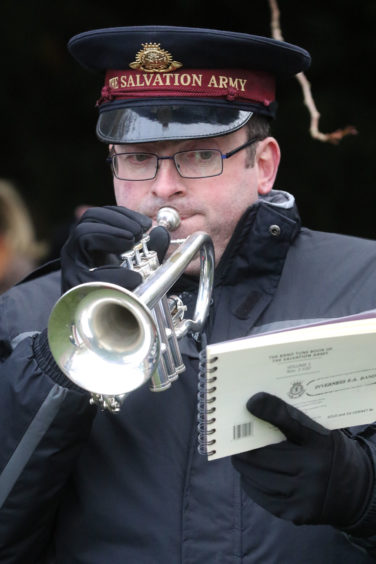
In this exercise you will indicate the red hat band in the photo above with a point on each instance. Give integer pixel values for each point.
(240, 85)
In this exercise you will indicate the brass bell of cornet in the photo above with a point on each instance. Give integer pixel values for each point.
(109, 341)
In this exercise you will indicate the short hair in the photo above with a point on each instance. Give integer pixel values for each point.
(257, 126)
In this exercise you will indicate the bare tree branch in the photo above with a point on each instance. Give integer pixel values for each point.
(333, 137)
(275, 21)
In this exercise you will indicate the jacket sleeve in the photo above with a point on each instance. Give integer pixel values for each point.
(363, 533)
(44, 423)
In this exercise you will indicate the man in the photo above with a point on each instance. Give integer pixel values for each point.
(185, 113)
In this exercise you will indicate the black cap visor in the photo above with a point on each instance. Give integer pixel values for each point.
(143, 122)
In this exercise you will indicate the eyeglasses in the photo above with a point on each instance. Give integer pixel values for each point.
(196, 163)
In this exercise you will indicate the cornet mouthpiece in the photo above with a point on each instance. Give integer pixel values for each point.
(168, 218)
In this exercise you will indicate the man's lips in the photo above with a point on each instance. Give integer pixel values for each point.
(183, 216)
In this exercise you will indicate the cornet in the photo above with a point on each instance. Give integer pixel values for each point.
(109, 341)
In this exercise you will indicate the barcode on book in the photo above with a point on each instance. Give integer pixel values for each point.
(242, 430)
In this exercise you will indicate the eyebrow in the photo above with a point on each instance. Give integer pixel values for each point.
(180, 145)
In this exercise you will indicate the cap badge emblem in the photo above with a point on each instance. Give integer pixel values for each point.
(152, 58)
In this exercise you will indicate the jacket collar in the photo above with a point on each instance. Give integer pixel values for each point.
(260, 240)
(250, 252)
(250, 269)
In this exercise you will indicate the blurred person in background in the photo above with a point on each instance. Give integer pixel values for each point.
(20, 252)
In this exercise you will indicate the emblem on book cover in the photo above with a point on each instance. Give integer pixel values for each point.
(152, 58)
(296, 390)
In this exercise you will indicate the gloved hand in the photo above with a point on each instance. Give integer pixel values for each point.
(315, 476)
(102, 232)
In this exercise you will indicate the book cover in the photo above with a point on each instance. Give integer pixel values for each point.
(326, 370)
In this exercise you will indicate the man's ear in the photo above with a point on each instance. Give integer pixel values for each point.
(267, 160)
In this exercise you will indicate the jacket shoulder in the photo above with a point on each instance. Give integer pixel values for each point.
(26, 306)
(322, 249)
(329, 275)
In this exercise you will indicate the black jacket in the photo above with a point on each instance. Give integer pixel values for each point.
(90, 487)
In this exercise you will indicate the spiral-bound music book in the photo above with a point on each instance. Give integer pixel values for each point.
(326, 370)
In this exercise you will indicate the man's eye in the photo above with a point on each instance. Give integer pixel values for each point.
(198, 156)
(140, 158)
(204, 155)
(135, 159)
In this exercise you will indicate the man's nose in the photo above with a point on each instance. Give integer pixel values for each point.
(168, 182)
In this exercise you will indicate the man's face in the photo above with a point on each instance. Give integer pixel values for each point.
(214, 204)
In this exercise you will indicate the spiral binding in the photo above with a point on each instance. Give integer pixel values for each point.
(205, 398)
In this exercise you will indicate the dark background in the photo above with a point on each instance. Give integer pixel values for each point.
(48, 143)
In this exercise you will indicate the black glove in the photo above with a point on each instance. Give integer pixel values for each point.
(315, 476)
(101, 235)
